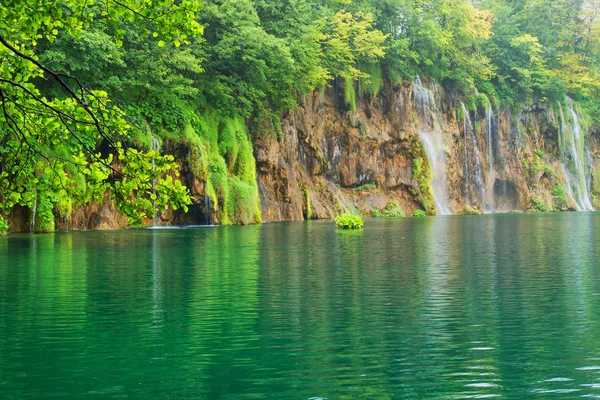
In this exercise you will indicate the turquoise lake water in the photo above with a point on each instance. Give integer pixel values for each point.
(504, 306)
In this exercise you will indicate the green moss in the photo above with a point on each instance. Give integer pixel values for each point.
(596, 184)
(468, 210)
(3, 226)
(532, 166)
(44, 218)
(391, 210)
(243, 205)
(366, 187)
(307, 205)
(198, 161)
(539, 153)
(362, 128)
(64, 204)
(350, 94)
(483, 102)
(423, 175)
(372, 85)
(394, 76)
(460, 114)
(559, 198)
(230, 136)
(221, 154)
(538, 205)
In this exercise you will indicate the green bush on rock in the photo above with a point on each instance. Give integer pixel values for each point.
(3, 226)
(559, 198)
(538, 205)
(391, 210)
(468, 210)
(347, 221)
(419, 214)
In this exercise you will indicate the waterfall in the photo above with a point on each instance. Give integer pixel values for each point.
(34, 213)
(472, 163)
(155, 147)
(206, 198)
(489, 205)
(575, 159)
(432, 138)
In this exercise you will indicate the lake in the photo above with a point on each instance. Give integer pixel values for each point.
(503, 306)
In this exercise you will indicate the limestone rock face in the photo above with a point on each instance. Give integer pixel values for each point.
(337, 161)
(326, 160)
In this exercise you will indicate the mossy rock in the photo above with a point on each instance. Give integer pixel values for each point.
(391, 210)
(468, 210)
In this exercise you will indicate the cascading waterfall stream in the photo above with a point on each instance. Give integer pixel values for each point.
(34, 213)
(472, 163)
(155, 147)
(206, 198)
(575, 158)
(489, 205)
(432, 138)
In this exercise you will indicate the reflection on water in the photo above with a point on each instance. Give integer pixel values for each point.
(449, 307)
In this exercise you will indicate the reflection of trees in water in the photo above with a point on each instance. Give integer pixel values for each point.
(417, 307)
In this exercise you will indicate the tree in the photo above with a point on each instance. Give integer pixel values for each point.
(71, 147)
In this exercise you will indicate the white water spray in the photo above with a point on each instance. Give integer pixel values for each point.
(489, 205)
(34, 213)
(472, 163)
(432, 138)
(155, 147)
(575, 159)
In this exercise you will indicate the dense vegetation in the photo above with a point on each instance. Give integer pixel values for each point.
(349, 222)
(83, 84)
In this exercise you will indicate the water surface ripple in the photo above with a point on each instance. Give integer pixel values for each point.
(499, 306)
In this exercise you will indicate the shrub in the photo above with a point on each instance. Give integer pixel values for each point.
(468, 210)
(376, 213)
(391, 210)
(3, 226)
(347, 221)
(366, 186)
(538, 205)
(307, 200)
(423, 174)
(419, 214)
(559, 197)
(350, 94)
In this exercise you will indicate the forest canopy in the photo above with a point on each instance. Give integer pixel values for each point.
(86, 85)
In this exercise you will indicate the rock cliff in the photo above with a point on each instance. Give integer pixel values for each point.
(414, 144)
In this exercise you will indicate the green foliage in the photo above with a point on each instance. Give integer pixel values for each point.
(222, 157)
(362, 128)
(3, 226)
(373, 83)
(559, 198)
(348, 41)
(60, 139)
(350, 94)
(483, 102)
(366, 187)
(308, 204)
(131, 70)
(391, 210)
(350, 222)
(533, 167)
(423, 174)
(468, 210)
(419, 214)
(538, 205)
